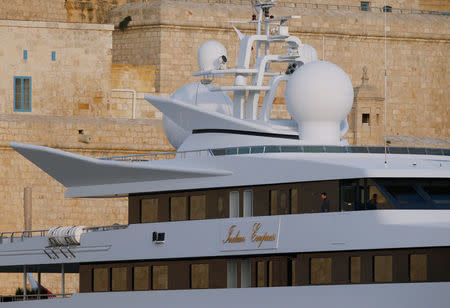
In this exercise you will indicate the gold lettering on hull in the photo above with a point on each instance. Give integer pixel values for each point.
(261, 238)
(234, 236)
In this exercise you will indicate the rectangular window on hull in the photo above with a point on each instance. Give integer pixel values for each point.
(382, 268)
(294, 202)
(232, 274)
(197, 207)
(279, 202)
(246, 274)
(149, 210)
(355, 269)
(199, 276)
(100, 279)
(160, 277)
(119, 279)
(234, 204)
(261, 278)
(320, 270)
(248, 203)
(418, 264)
(141, 278)
(178, 208)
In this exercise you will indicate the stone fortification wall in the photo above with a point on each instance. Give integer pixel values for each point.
(77, 82)
(96, 11)
(417, 52)
(44, 10)
(138, 78)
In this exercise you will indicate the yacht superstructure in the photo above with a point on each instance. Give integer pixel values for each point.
(248, 202)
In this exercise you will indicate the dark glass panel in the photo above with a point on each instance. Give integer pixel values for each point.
(257, 149)
(406, 196)
(26, 95)
(313, 148)
(335, 149)
(434, 151)
(420, 151)
(244, 150)
(271, 149)
(230, 151)
(218, 152)
(358, 149)
(18, 93)
(439, 194)
(398, 150)
(376, 150)
(291, 148)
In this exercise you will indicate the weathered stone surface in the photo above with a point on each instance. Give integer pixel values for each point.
(67, 86)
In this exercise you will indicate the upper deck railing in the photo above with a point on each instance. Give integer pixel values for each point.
(21, 235)
(30, 297)
(326, 6)
(280, 149)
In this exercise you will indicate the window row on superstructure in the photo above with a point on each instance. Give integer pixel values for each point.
(322, 268)
(292, 198)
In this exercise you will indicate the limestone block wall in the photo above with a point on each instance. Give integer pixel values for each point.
(131, 77)
(428, 5)
(109, 137)
(43, 10)
(417, 52)
(76, 83)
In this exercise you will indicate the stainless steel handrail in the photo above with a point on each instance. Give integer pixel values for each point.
(11, 235)
(160, 155)
(17, 298)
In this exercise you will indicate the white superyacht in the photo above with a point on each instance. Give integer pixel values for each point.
(251, 211)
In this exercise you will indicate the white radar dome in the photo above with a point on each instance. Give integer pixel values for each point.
(195, 94)
(308, 54)
(319, 96)
(212, 55)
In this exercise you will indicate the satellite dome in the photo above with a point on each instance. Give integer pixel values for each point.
(308, 54)
(212, 55)
(319, 96)
(195, 94)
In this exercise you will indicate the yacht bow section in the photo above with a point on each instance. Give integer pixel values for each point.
(73, 170)
(90, 177)
(339, 231)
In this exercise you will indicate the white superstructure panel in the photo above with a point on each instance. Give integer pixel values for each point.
(334, 231)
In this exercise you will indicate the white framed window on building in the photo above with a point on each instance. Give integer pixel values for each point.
(22, 93)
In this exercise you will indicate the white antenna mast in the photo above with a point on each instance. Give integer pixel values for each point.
(385, 83)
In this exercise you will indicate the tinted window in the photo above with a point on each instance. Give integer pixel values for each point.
(244, 150)
(417, 151)
(434, 151)
(271, 149)
(335, 149)
(231, 151)
(440, 195)
(291, 149)
(398, 150)
(313, 148)
(376, 150)
(406, 196)
(358, 149)
(257, 149)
